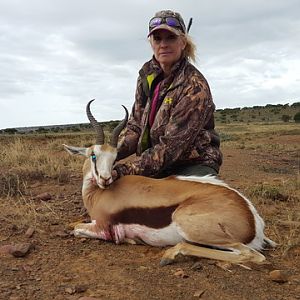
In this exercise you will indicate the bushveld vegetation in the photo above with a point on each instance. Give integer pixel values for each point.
(261, 159)
(269, 113)
(40, 158)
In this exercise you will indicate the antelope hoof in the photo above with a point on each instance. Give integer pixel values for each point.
(166, 261)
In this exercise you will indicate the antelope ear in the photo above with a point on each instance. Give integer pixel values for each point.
(76, 150)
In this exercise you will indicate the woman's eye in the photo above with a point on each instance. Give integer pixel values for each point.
(172, 37)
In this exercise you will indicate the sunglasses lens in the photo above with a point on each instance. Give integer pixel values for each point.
(155, 22)
(172, 22)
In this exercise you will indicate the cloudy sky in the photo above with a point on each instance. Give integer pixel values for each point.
(56, 55)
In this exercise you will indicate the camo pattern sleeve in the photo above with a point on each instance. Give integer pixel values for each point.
(129, 137)
(187, 121)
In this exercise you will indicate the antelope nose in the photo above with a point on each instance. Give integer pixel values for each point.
(105, 178)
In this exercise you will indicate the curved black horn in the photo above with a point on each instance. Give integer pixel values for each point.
(118, 129)
(97, 127)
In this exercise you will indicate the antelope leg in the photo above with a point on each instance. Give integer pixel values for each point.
(91, 230)
(238, 253)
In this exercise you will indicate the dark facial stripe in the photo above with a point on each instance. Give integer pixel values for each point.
(157, 217)
(96, 171)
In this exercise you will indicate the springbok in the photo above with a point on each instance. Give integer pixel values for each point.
(199, 216)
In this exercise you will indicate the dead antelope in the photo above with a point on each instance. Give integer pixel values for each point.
(199, 216)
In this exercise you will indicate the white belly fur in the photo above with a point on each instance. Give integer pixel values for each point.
(166, 236)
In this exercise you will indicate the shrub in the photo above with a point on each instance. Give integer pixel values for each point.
(297, 117)
(42, 130)
(10, 130)
(285, 118)
(11, 185)
(75, 129)
(296, 104)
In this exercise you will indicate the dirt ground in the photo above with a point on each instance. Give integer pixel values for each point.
(60, 266)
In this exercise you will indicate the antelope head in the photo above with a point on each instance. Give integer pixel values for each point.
(101, 156)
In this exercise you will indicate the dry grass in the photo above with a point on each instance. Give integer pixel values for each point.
(42, 159)
(36, 159)
(241, 132)
(29, 160)
(279, 204)
(19, 211)
(283, 191)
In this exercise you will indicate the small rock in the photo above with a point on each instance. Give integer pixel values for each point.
(20, 250)
(197, 266)
(29, 232)
(44, 196)
(70, 290)
(278, 276)
(180, 273)
(199, 293)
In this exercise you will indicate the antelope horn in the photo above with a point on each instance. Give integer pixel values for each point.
(97, 127)
(118, 129)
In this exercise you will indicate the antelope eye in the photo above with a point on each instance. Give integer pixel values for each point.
(93, 156)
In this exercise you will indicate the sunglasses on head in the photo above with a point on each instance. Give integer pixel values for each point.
(170, 21)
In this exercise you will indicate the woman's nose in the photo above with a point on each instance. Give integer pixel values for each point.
(164, 43)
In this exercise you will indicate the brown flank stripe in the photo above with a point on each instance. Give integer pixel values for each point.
(157, 217)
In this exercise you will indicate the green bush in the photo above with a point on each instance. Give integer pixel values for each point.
(10, 130)
(297, 117)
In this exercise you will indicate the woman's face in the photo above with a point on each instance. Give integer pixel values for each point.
(167, 47)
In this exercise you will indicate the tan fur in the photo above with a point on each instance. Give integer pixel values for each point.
(108, 148)
(200, 204)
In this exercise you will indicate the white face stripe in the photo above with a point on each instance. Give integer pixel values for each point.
(105, 160)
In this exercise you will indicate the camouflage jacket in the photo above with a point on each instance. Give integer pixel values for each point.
(183, 130)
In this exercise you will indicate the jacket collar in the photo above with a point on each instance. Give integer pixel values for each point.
(152, 68)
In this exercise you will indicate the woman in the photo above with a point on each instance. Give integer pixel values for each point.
(171, 127)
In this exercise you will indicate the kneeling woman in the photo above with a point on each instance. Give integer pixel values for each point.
(171, 126)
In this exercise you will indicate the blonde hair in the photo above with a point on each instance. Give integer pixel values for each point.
(190, 49)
